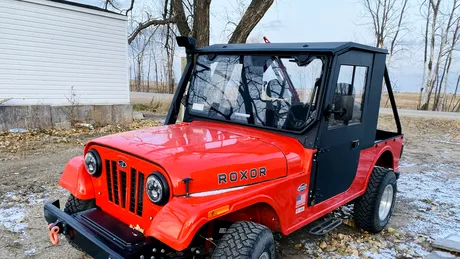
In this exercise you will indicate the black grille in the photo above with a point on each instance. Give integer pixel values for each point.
(115, 182)
(141, 194)
(132, 195)
(123, 189)
(118, 192)
(109, 180)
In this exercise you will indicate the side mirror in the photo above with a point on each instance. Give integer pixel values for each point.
(343, 108)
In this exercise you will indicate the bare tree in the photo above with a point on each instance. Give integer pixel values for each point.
(454, 41)
(454, 96)
(191, 18)
(387, 23)
(200, 12)
(435, 4)
(425, 54)
(255, 12)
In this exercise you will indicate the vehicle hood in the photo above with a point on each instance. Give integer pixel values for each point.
(215, 155)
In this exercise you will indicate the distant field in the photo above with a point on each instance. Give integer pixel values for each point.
(410, 100)
(404, 100)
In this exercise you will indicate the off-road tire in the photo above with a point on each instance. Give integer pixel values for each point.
(74, 205)
(366, 207)
(245, 240)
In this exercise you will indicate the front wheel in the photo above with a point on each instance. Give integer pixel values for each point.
(373, 210)
(74, 205)
(246, 240)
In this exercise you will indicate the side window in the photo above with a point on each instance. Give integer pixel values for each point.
(349, 94)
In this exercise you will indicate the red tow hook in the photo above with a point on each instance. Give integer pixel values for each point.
(54, 233)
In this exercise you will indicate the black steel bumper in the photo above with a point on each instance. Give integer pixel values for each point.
(103, 236)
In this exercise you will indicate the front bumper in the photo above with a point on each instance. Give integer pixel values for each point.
(102, 236)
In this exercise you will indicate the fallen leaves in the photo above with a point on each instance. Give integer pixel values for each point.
(361, 244)
(35, 139)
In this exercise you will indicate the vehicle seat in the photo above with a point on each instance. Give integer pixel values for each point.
(275, 107)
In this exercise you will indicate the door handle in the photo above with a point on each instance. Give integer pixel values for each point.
(355, 143)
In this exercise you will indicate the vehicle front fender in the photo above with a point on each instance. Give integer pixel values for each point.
(76, 179)
(179, 220)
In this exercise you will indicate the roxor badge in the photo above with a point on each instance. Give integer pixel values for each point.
(241, 175)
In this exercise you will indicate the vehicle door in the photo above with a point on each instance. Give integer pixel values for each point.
(339, 139)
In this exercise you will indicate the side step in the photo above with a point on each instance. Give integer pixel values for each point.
(326, 226)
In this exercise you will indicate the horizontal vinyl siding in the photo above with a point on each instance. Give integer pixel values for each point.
(46, 48)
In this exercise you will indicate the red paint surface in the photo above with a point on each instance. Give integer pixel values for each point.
(202, 150)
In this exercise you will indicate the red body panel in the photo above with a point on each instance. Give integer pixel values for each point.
(202, 150)
(75, 179)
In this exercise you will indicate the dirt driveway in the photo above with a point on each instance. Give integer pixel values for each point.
(427, 205)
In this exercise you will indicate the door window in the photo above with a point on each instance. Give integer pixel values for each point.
(349, 92)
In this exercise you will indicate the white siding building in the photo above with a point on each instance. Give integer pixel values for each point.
(54, 51)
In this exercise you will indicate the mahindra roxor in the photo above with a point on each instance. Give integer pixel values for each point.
(260, 139)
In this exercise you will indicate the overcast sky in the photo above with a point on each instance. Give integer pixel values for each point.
(332, 20)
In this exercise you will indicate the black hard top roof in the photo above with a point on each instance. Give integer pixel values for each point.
(325, 47)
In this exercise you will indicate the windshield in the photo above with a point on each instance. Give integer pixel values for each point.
(270, 91)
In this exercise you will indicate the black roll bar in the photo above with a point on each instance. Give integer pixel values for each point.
(392, 100)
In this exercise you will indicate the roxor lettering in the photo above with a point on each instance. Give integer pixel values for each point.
(243, 175)
(253, 173)
(233, 177)
(262, 171)
(222, 178)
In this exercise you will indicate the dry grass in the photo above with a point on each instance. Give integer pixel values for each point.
(409, 100)
(150, 87)
(157, 106)
(422, 126)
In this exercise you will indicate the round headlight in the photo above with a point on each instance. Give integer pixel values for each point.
(93, 163)
(157, 188)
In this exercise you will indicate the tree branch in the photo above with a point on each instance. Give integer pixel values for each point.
(145, 25)
(181, 19)
(256, 10)
(130, 7)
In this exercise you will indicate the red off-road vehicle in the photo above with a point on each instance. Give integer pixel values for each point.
(272, 138)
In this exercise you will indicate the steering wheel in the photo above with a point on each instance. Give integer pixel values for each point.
(295, 122)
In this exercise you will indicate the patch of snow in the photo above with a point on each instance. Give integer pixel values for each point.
(447, 142)
(30, 251)
(383, 254)
(404, 164)
(11, 219)
(34, 198)
(435, 195)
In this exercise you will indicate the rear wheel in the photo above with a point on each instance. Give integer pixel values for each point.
(373, 210)
(74, 205)
(246, 240)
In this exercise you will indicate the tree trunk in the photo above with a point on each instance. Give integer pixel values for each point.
(201, 22)
(139, 73)
(431, 75)
(156, 73)
(444, 96)
(181, 18)
(256, 10)
(148, 75)
(422, 85)
(439, 82)
(454, 95)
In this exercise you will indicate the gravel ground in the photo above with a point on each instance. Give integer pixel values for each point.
(427, 203)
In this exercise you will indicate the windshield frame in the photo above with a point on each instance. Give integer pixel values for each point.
(319, 96)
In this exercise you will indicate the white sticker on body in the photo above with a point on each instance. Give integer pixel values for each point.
(198, 106)
(300, 209)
